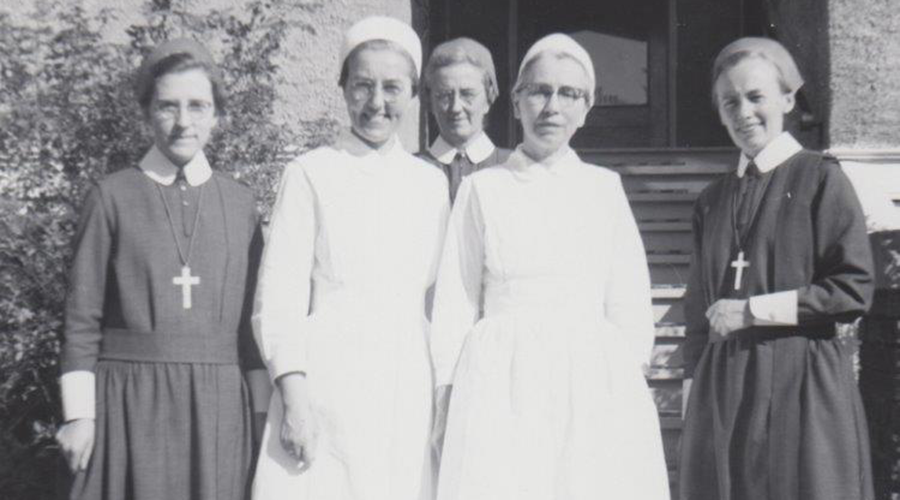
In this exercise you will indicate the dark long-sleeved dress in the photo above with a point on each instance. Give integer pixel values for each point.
(172, 413)
(497, 157)
(774, 412)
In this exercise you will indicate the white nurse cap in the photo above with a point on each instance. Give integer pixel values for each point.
(383, 28)
(559, 43)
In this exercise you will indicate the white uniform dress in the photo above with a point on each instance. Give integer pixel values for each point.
(549, 400)
(355, 238)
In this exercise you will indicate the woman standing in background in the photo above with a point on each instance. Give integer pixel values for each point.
(461, 86)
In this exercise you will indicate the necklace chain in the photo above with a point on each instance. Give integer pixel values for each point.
(755, 206)
(185, 259)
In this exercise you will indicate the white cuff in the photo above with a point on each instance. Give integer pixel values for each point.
(772, 309)
(287, 359)
(260, 389)
(78, 390)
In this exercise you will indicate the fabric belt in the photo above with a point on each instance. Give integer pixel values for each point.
(128, 345)
(820, 332)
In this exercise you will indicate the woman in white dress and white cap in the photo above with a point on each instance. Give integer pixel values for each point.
(355, 237)
(548, 397)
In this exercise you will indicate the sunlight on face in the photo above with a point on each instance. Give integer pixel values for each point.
(378, 91)
(551, 103)
(752, 104)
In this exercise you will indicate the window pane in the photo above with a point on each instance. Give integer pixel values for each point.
(621, 67)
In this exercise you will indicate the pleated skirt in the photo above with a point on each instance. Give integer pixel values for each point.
(168, 431)
(775, 419)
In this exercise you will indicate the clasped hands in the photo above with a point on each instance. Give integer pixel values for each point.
(726, 316)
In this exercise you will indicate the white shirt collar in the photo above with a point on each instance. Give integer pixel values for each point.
(478, 149)
(159, 168)
(775, 153)
(352, 144)
(557, 163)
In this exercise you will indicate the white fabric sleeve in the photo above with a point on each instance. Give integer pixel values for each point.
(443, 215)
(283, 291)
(779, 308)
(78, 390)
(260, 389)
(628, 302)
(459, 283)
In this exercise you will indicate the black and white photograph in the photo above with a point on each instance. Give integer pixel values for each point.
(449, 250)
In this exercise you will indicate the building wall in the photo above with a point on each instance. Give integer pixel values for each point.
(849, 51)
(309, 68)
(864, 41)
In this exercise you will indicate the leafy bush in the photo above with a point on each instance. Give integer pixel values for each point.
(67, 118)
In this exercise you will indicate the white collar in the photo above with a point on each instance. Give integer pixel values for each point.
(478, 149)
(159, 168)
(557, 163)
(775, 153)
(352, 144)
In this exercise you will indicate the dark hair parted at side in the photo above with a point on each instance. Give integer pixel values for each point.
(176, 56)
(380, 45)
(178, 63)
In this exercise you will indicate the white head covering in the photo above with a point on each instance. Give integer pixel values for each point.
(558, 43)
(383, 28)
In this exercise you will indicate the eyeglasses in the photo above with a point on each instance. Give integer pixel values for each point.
(540, 95)
(363, 90)
(196, 110)
(444, 97)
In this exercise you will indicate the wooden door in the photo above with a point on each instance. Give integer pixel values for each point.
(629, 46)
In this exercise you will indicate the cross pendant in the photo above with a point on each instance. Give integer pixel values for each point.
(739, 264)
(185, 281)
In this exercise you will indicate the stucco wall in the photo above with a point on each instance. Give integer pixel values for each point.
(309, 68)
(864, 41)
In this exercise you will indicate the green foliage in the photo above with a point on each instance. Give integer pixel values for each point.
(68, 117)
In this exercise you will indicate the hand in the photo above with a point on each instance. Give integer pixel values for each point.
(76, 439)
(299, 436)
(298, 429)
(441, 409)
(726, 316)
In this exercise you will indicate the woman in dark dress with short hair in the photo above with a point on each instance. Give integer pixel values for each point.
(157, 318)
(780, 256)
(460, 88)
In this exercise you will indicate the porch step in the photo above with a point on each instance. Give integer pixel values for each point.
(662, 186)
(673, 225)
(667, 292)
(679, 169)
(665, 330)
(670, 311)
(662, 196)
(669, 258)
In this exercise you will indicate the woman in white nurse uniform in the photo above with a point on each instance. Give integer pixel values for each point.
(548, 398)
(354, 243)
